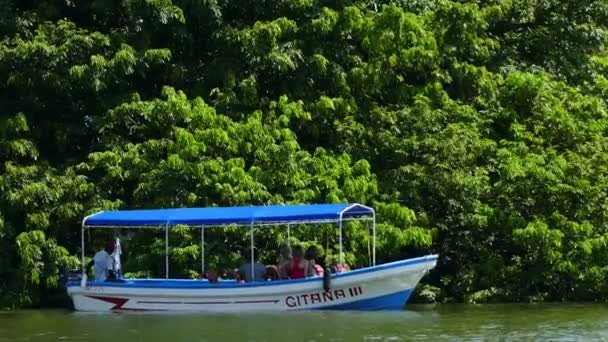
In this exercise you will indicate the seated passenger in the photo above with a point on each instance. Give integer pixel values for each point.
(234, 274)
(311, 255)
(272, 272)
(212, 276)
(339, 268)
(259, 270)
(299, 267)
(284, 261)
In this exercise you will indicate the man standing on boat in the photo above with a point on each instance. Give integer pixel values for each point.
(104, 263)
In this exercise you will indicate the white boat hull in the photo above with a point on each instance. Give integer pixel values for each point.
(382, 287)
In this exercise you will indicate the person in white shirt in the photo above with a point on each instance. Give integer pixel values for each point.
(103, 263)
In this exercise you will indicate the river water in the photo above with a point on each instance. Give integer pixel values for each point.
(446, 322)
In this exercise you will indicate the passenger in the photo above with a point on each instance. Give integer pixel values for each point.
(284, 261)
(312, 255)
(339, 268)
(299, 267)
(212, 276)
(259, 270)
(103, 263)
(272, 272)
(284, 253)
(234, 274)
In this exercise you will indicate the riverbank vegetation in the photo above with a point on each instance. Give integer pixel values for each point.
(478, 129)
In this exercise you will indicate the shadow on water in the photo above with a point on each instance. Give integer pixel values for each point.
(510, 322)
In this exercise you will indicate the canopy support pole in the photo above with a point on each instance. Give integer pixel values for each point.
(374, 237)
(288, 236)
(84, 267)
(83, 281)
(202, 252)
(252, 254)
(369, 249)
(341, 258)
(167, 251)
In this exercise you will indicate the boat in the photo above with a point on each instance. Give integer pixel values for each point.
(375, 287)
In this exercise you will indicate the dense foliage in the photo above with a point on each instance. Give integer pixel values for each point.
(477, 128)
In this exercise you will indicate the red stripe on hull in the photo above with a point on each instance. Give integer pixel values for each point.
(274, 301)
(118, 302)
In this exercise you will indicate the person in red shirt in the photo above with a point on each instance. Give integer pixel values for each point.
(299, 267)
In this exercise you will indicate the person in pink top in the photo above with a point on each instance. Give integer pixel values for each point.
(312, 254)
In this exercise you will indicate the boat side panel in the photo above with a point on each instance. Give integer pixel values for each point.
(393, 301)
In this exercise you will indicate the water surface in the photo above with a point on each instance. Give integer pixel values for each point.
(448, 322)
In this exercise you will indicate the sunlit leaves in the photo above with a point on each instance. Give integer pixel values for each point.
(156, 11)
(13, 142)
(558, 36)
(41, 258)
(326, 21)
(462, 30)
(540, 241)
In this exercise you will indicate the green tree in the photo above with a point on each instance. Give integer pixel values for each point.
(476, 128)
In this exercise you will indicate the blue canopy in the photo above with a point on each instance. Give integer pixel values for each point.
(227, 215)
